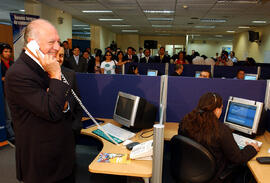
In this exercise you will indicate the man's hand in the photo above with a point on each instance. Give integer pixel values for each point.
(50, 65)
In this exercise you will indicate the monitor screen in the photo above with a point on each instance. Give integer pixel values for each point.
(124, 107)
(152, 73)
(241, 114)
(250, 77)
(197, 74)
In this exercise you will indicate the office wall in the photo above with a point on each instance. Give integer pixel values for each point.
(6, 35)
(125, 40)
(259, 51)
(164, 40)
(52, 15)
(106, 38)
(208, 47)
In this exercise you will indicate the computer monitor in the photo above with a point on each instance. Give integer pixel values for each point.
(151, 72)
(197, 74)
(134, 112)
(243, 115)
(251, 76)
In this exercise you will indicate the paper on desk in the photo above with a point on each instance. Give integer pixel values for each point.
(113, 158)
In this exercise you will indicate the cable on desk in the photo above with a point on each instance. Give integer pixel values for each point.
(143, 133)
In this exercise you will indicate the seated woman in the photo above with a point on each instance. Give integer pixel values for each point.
(203, 126)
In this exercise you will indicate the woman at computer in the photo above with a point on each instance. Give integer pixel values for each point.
(203, 126)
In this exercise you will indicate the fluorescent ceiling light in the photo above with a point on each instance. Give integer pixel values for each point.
(259, 21)
(230, 31)
(87, 28)
(80, 25)
(22, 10)
(110, 19)
(129, 30)
(218, 36)
(213, 20)
(238, 1)
(160, 19)
(205, 26)
(243, 27)
(82, 33)
(97, 11)
(161, 25)
(159, 11)
(121, 25)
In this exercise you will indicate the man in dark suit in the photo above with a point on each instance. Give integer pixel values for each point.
(75, 62)
(75, 108)
(162, 58)
(130, 56)
(147, 58)
(67, 52)
(38, 101)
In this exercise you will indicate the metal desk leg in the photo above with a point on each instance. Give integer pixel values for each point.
(146, 180)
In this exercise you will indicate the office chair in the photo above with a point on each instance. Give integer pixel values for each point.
(190, 161)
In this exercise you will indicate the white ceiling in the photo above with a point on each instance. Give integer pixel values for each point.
(184, 19)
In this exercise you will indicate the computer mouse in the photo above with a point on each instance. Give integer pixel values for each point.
(131, 145)
(126, 142)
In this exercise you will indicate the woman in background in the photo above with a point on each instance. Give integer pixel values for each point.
(108, 65)
(203, 126)
(181, 58)
(94, 65)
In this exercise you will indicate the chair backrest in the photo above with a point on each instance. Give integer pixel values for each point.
(190, 161)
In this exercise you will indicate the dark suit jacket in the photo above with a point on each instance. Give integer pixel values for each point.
(166, 59)
(143, 60)
(75, 108)
(134, 58)
(80, 67)
(45, 150)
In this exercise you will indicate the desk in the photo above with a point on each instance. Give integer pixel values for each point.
(144, 168)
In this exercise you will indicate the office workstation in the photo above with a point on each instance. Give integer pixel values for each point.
(180, 100)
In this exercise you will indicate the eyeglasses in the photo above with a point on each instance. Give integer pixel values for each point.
(108, 55)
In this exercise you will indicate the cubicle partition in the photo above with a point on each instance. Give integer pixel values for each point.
(99, 91)
(265, 72)
(231, 72)
(189, 69)
(2, 114)
(144, 67)
(184, 93)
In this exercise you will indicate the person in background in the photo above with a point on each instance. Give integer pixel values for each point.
(86, 56)
(130, 56)
(75, 62)
(240, 74)
(108, 66)
(140, 55)
(68, 52)
(223, 60)
(162, 58)
(178, 70)
(197, 60)
(6, 63)
(181, 58)
(250, 61)
(147, 57)
(120, 56)
(203, 126)
(94, 65)
(133, 69)
(205, 74)
(232, 57)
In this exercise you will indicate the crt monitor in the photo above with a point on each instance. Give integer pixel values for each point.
(152, 72)
(134, 112)
(251, 76)
(243, 115)
(197, 74)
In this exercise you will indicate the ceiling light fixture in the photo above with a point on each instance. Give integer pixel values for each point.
(129, 30)
(22, 10)
(259, 22)
(243, 27)
(218, 36)
(110, 19)
(80, 25)
(161, 25)
(213, 20)
(238, 1)
(160, 19)
(230, 31)
(121, 25)
(97, 11)
(205, 26)
(159, 11)
(87, 28)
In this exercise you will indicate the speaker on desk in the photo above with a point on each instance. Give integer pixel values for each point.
(151, 44)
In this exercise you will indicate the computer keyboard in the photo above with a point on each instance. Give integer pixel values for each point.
(241, 141)
(118, 132)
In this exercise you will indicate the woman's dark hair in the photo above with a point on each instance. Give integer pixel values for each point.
(118, 53)
(98, 53)
(202, 124)
(5, 46)
(182, 52)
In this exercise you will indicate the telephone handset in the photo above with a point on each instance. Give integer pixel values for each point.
(142, 151)
(33, 46)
